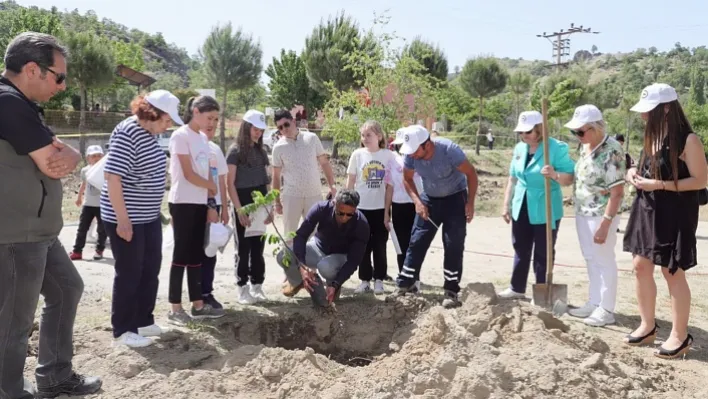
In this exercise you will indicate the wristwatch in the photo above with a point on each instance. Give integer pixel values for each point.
(607, 217)
(211, 203)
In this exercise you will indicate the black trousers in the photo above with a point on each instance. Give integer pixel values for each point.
(403, 216)
(88, 213)
(189, 224)
(135, 284)
(377, 247)
(250, 263)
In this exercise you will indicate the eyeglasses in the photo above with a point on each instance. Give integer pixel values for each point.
(60, 77)
(344, 214)
(579, 133)
(285, 125)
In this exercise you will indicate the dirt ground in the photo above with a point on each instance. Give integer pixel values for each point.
(372, 347)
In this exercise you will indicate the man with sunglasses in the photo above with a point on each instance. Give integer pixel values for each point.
(32, 260)
(298, 157)
(334, 252)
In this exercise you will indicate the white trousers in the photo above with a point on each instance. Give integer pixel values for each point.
(600, 260)
(294, 208)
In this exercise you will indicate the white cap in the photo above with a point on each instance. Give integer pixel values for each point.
(165, 102)
(653, 95)
(218, 235)
(527, 121)
(583, 115)
(93, 150)
(413, 136)
(255, 118)
(399, 137)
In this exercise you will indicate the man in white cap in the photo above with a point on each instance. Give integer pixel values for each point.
(450, 183)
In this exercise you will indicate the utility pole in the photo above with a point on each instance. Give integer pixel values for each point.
(561, 45)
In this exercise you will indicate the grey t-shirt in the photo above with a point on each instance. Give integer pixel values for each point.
(440, 175)
(92, 195)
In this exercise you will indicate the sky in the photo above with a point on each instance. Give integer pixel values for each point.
(463, 29)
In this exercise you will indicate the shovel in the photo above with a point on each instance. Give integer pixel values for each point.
(549, 295)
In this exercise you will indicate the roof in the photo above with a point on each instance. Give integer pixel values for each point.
(134, 77)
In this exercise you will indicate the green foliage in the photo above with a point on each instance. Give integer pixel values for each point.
(18, 20)
(327, 53)
(698, 83)
(289, 85)
(430, 56)
(251, 96)
(483, 77)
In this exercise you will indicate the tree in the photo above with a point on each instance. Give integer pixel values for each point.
(289, 85)
(233, 62)
(92, 66)
(519, 83)
(698, 84)
(430, 56)
(16, 21)
(482, 78)
(251, 96)
(593, 49)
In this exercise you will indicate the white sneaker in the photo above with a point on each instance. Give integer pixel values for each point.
(600, 317)
(379, 287)
(257, 293)
(132, 340)
(150, 331)
(510, 294)
(584, 311)
(364, 287)
(244, 296)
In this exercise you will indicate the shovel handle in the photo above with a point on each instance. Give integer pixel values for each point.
(549, 204)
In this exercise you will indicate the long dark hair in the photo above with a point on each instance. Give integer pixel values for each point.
(244, 144)
(202, 103)
(672, 126)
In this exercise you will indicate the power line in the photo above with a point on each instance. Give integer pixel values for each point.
(561, 45)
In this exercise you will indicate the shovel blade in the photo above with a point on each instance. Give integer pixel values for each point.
(545, 299)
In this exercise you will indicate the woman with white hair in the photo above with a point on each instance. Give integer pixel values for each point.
(597, 195)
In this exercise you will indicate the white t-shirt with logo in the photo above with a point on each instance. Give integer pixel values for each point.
(217, 159)
(185, 141)
(370, 171)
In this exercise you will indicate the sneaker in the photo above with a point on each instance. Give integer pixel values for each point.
(212, 301)
(363, 288)
(179, 318)
(257, 293)
(244, 295)
(132, 340)
(401, 291)
(150, 331)
(207, 312)
(76, 385)
(73, 255)
(600, 317)
(451, 300)
(510, 294)
(583, 311)
(388, 278)
(379, 287)
(289, 290)
(98, 255)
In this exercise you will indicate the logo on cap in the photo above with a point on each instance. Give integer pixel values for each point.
(262, 118)
(645, 93)
(406, 137)
(523, 118)
(576, 114)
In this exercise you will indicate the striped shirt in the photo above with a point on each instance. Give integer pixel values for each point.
(136, 157)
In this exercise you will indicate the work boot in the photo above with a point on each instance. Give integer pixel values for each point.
(76, 385)
(289, 290)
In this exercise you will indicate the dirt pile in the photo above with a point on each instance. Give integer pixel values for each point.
(402, 348)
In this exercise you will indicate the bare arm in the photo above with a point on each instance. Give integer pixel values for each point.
(232, 187)
(351, 182)
(41, 159)
(185, 162)
(327, 169)
(564, 179)
(696, 161)
(472, 182)
(82, 190)
(115, 195)
(613, 205)
(409, 184)
(223, 191)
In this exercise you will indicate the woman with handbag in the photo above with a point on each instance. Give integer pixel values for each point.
(191, 204)
(669, 177)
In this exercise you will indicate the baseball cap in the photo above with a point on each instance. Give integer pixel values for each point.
(165, 102)
(413, 136)
(217, 236)
(93, 150)
(653, 95)
(583, 115)
(399, 137)
(527, 121)
(255, 118)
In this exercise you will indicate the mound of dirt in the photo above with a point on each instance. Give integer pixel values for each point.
(405, 347)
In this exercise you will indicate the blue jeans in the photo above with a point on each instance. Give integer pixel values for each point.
(449, 214)
(28, 270)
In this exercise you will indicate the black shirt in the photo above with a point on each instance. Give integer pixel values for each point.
(253, 172)
(21, 122)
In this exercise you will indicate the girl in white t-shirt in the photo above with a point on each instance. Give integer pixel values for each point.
(367, 170)
(400, 204)
(191, 204)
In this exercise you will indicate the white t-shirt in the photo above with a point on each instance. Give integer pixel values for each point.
(185, 141)
(301, 168)
(394, 178)
(370, 171)
(217, 159)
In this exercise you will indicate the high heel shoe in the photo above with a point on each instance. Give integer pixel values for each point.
(645, 340)
(675, 353)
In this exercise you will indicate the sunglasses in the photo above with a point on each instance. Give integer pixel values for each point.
(344, 214)
(578, 133)
(285, 125)
(529, 132)
(60, 77)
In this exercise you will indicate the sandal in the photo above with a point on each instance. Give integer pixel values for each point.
(645, 340)
(675, 353)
